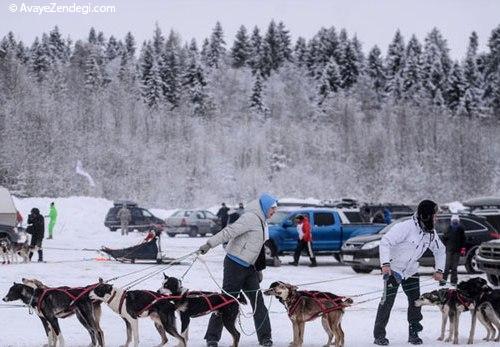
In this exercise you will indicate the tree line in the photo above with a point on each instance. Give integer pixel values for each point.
(178, 123)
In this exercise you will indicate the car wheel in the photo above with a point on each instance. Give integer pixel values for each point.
(337, 257)
(171, 234)
(361, 269)
(193, 232)
(203, 234)
(471, 262)
(494, 279)
(113, 229)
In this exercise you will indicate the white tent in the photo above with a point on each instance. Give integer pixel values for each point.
(7, 208)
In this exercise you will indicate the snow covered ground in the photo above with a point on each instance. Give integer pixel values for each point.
(80, 225)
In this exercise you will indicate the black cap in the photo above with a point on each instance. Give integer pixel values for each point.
(34, 210)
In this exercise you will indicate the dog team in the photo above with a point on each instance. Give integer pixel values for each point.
(400, 249)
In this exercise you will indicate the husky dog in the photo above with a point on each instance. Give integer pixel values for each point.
(305, 306)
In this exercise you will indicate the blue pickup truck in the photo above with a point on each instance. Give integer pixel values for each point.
(330, 228)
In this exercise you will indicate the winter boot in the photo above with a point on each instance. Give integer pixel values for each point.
(294, 263)
(266, 343)
(40, 255)
(381, 341)
(313, 263)
(212, 344)
(413, 336)
(31, 255)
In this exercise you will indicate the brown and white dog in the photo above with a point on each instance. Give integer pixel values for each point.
(305, 306)
(134, 304)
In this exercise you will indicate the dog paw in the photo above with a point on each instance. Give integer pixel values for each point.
(447, 339)
(455, 342)
(440, 338)
(470, 342)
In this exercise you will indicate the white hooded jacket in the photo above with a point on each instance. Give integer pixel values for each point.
(405, 243)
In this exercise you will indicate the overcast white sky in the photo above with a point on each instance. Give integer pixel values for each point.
(374, 21)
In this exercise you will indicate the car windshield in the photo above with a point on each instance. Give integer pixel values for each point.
(278, 217)
(385, 229)
(182, 213)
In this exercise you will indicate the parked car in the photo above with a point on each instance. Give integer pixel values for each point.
(488, 261)
(329, 227)
(362, 252)
(142, 219)
(8, 218)
(488, 207)
(369, 210)
(192, 223)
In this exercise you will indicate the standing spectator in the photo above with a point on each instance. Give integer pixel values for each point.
(241, 209)
(52, 219)
(304, 241)
(454, 240)
(387, 216)
(243, 265)
(125, 217)
(400, 249)
(19, 219)
(36, 228)
(223, 215)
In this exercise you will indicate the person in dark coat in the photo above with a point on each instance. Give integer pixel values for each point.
(387, 216)
(36, 227)
(223, 215)
(454, 240)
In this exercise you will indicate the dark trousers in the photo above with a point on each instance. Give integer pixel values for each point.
(452, 260)
(301, 245)
(411, 287)
(236, 278)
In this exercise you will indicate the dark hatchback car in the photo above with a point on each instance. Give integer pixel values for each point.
(362, 252)
(142, 219)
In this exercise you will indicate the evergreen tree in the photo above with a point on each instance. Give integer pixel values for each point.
(375, 71)
(358, 49)
(349, 66)
(40, 58)
(216, 49)
(240, 53)
(22, 53)
(101, 40)
(330, 80)
(436, 64)
(170, 70)
(151, 82)
(456, 88)
(314, 64)
(300, 52)
(130, 45)
(285, 42)
(112, 49)
(93, 75)
(205, 52)
(257, 98)
(395, 62)
(272, 50)
(412, 71)
(92, 36)
(195, 85)
(58, 49)
(158, 41)
(255, 51)
(492, 92)
(472, 79)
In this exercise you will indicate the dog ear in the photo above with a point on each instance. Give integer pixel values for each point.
(101, 281)
(165, 276)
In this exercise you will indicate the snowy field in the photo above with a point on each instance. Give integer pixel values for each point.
(80, 225)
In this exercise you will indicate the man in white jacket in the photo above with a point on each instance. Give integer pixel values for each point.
(400, 249)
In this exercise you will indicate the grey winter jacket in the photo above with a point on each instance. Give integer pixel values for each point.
(404, 245)
(246, 236)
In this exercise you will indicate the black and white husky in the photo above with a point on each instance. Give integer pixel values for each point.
(451, 303)
(50, 304)
(134, 304)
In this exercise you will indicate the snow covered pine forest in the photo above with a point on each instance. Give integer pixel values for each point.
(183, 123)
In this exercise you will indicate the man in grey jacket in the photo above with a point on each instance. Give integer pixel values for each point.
(400, 249)
(245, 239)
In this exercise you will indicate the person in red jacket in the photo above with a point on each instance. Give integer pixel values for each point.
(304, 242)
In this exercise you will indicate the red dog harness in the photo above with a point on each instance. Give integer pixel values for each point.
(455, 294)
(74, 294)
(327, 302)
(210, 300)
